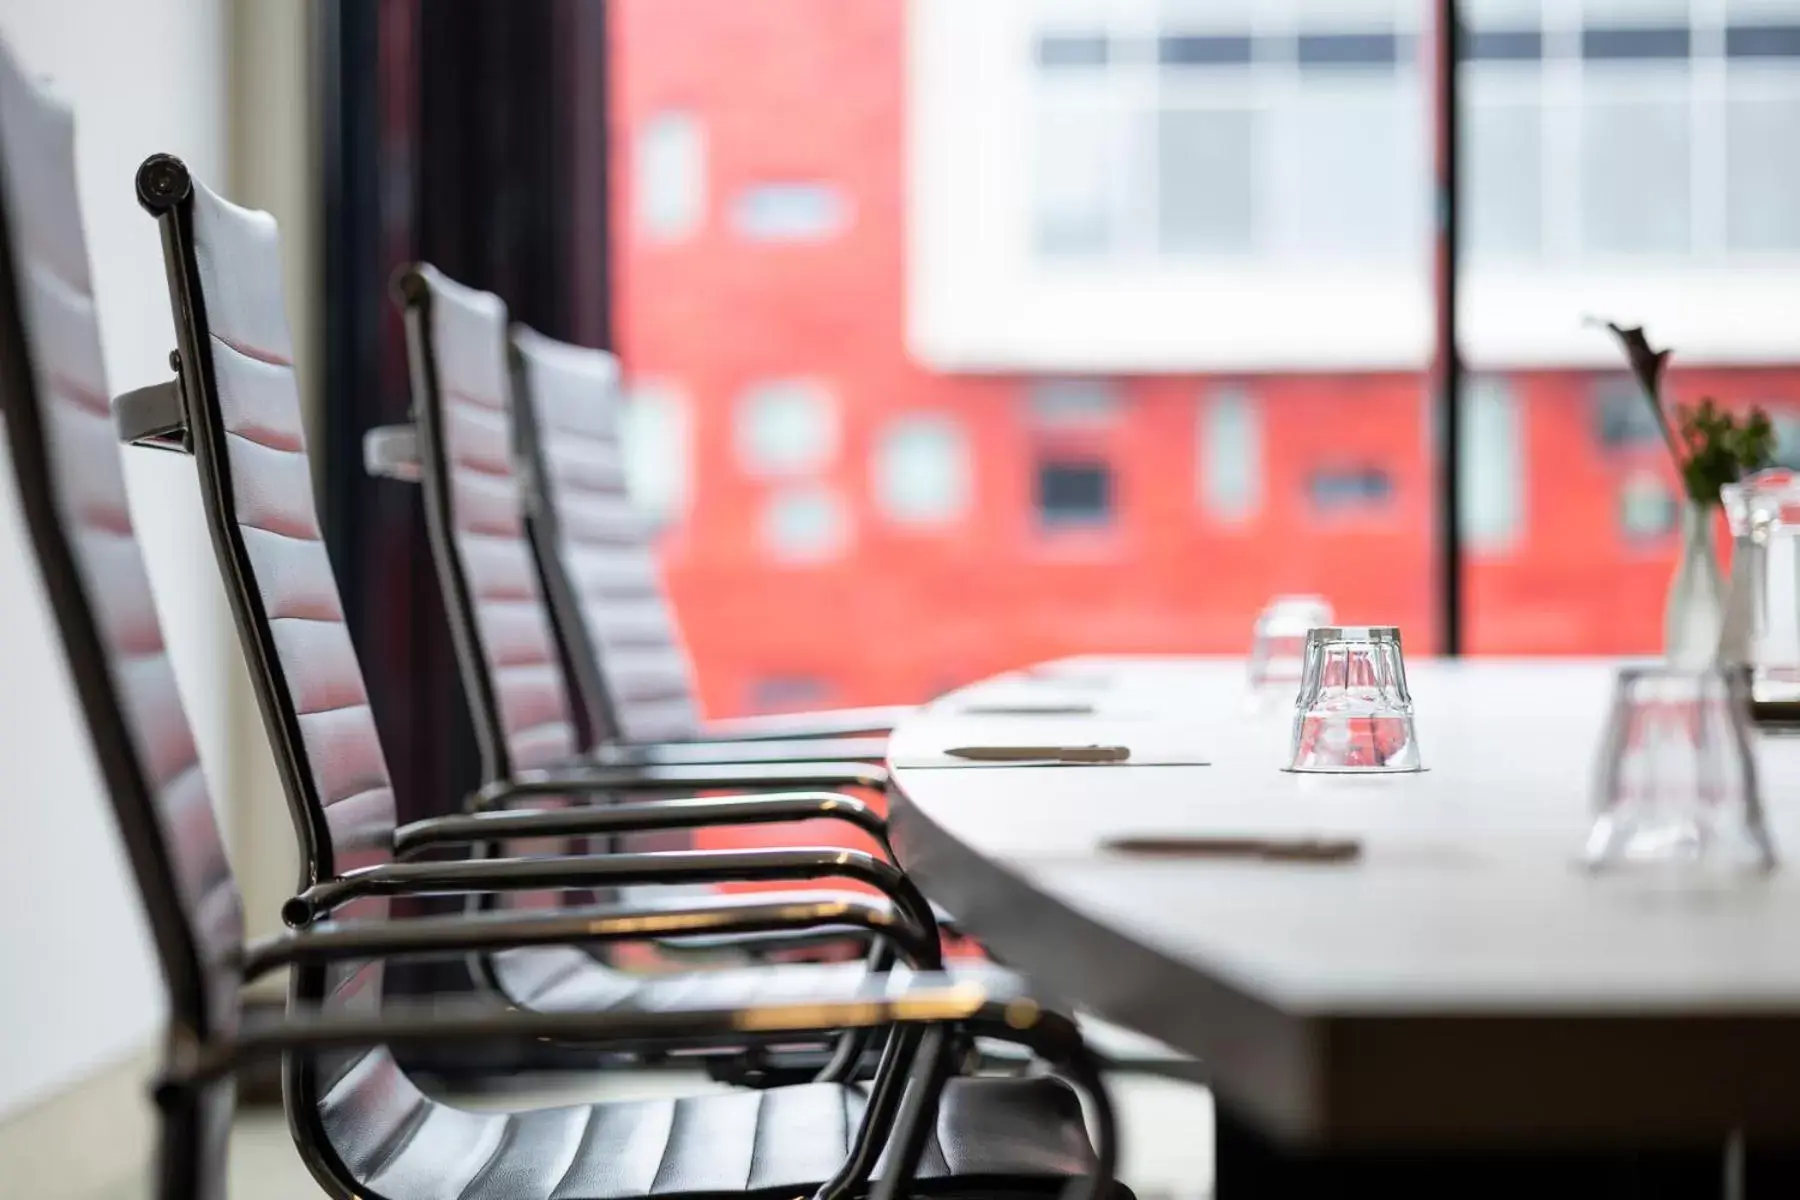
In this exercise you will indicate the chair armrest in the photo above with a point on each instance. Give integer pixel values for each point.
(152, 416)
(328, 941)
(835, 722)
(786, 750)
(621, 870)
(392, 452)
(577, 778)
(926, 1010)
(687, 813)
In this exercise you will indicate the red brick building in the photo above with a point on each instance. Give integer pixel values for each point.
(863, 504)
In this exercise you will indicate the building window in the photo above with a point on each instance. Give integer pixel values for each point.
(655, 434)
(671, 175)
(786, 427)
(1493, 474)
(806, 523)
(1762, 192)
(1074, 493)
(790, 212)
(1073, 404)
(1201, 129)
(1336, 490)
(788, 693)
(1647, 509)
(1060, 51)
(1622, 416)
(1206, 189)
(1231, 454)
(1635, 173)
(1787, 436)
(922, 470)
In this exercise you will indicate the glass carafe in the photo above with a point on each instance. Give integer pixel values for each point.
(1762, 609)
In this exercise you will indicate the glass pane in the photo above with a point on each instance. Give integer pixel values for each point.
(786, 427)
(1635, 175)
(1074, 153)
(790, 212)
(1073, 492)
(1493, 478)
(656, 434)
(1503, 197)
(1205, 180)
(1362, 144)
(1231, 453)
(808, 523)
(922, 470)
(1763, 173)
(671, 173)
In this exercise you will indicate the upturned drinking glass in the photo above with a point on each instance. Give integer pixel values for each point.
(1354, 713)
(1677, 777)
(1278, 643)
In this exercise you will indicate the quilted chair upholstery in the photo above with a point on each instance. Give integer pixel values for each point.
(369, 1130)
(64, 455)
(601, 566)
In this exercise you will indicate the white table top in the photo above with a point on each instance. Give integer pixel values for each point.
(1465, 903)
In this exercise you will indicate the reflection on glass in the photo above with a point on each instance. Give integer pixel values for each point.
(1762, 624)
(1677, 782)
(1354, 713)
(1278, 644)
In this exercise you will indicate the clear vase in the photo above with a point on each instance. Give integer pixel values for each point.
(1694, 614)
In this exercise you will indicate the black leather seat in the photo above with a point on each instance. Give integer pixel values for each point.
(363, 1127)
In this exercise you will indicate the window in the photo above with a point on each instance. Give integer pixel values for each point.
(1622, 416)
(1230, 455)
(1647, 509)
(788, 693)
(1339, 490)
(805, 523)
(1635, 173)
(1787, 436)
(1763, 188)
(1206, 188)
(1208, 129)
(790, 212)
(1072, 404)
(1492, 479)
(1074, 493)
(1072, 199)
(786, 427)
(922, 470)
(655, 434)
(671, 176)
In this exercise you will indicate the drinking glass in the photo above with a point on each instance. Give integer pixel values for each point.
(1353, 713)
(1677, 779)
(1278, 643)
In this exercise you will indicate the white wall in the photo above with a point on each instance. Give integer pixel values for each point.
(77, 985)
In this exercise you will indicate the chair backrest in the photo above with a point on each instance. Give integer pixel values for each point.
(242, 407)
(594, 547)
(462, 401)
(64, 456)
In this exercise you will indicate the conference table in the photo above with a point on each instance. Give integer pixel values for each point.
(1448, 989)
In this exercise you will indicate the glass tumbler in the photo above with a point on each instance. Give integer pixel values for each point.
(1354, 713)
(1677, 776)
(1278, 643)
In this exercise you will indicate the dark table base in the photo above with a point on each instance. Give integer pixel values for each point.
(1251, 1167)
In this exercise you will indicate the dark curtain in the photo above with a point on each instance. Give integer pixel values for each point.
(470, 134)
